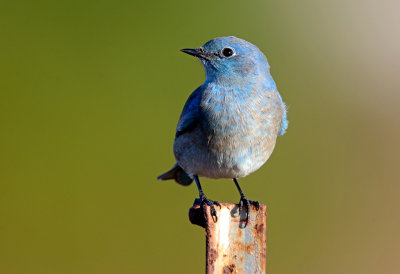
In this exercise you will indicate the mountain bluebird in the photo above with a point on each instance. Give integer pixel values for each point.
(228, 126)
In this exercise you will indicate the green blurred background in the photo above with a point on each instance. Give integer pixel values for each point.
(90, 94)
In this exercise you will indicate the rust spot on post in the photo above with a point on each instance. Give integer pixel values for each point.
(231, 246)
(229, 269)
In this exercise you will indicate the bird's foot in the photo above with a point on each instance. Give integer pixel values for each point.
(244, 202)
(204, 200)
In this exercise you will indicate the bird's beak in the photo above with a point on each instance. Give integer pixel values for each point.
(199, 52)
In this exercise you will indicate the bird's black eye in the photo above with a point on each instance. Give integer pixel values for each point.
(227, 52)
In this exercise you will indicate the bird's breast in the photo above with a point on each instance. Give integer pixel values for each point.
(241, 128)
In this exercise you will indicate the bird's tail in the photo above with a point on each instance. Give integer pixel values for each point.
(178, 174)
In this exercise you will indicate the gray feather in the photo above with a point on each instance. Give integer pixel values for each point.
(178, 174)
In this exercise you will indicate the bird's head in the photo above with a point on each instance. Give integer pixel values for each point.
(231, 58)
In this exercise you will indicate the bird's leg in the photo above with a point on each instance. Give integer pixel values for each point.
(245, 202)
(205, 200)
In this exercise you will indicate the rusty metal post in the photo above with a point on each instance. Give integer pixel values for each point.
(232, 247)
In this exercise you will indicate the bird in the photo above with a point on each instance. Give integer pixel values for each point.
(229, 125)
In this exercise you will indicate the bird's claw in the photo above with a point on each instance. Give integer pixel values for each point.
(244, 202)
(210, 203)
(217, 203)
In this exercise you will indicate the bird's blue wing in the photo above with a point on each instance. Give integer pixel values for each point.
(190, 113)
(285, 122)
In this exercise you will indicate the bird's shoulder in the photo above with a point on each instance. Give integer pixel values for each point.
(190, 113)
(193, 102)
